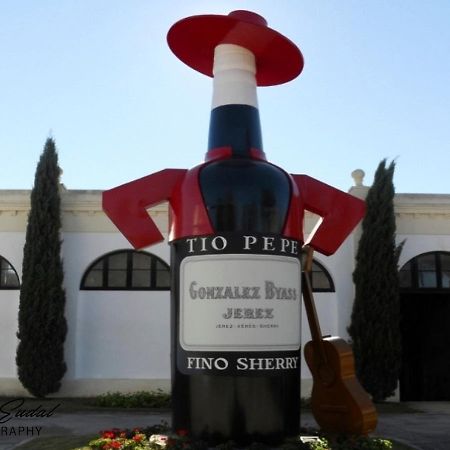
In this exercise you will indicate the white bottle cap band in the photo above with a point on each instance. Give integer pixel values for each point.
(234, 76)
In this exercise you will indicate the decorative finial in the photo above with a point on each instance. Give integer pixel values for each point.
(358, 177)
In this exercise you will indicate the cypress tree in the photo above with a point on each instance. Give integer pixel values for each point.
(375, 319)
(42, 324)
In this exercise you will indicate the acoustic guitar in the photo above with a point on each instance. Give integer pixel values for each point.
(338, 401)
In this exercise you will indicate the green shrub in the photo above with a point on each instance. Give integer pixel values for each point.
(319, 441)
(360, 443)
(139, 399)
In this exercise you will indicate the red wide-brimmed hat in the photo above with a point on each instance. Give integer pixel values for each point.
(194, 39)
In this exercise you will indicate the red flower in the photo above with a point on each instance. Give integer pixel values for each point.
(182, 433)
(138, 437)
(116, 444)
(108, 435)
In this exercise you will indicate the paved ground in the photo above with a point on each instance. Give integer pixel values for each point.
(428, 429)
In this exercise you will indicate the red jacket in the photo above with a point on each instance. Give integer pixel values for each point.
(127, 205)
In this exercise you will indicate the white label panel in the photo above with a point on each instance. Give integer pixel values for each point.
(238, 302)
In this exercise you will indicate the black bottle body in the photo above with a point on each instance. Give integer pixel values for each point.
(256, 396)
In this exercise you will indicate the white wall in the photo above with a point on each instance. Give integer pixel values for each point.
(11, 248)
(111, 334)
(122, 338)
(416, 245)
(107, 326)
(123, 334)
(9, 300)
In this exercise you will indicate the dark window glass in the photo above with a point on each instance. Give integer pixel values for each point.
(94, 278)
(162, 276)
(426, 267)
(117, 278)
(142, 261)
(405, 276)
(321, 280)
(117, 270)
(141, 274)
(445, 270)
(426, 271)
(118, 261)
(141, 278)
(127, 270)
(8, 275)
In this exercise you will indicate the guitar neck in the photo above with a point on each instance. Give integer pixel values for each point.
(310, 307)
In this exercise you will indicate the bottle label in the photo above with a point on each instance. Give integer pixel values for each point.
(239, 304)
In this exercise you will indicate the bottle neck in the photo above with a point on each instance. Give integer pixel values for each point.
(234, 117)
(235, 126)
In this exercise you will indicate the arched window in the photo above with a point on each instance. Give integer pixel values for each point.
(321, 280)
(426, 271)
(127, 270)
(8, 275)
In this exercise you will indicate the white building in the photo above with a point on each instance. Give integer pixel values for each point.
(118, 300)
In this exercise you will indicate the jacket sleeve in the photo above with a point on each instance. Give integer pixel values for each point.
(126, 205)
(340, 213)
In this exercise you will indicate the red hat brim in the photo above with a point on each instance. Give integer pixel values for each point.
(193, 40)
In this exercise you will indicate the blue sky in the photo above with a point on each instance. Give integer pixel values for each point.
(99, 77)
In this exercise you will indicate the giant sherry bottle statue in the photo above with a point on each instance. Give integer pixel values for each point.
(236, 237)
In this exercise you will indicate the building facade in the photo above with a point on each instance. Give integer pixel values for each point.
(118, 300)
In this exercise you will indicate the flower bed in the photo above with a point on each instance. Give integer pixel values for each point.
(159, 437)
